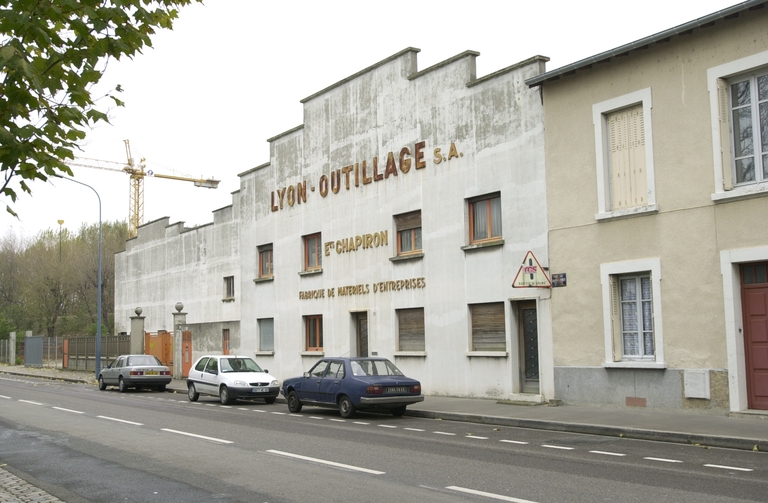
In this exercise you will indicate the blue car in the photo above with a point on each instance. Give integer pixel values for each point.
(353, 384)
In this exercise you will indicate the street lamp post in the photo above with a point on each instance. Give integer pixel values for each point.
(98, 298)
(61, 222)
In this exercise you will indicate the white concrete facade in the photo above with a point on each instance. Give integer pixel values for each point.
(387, 141)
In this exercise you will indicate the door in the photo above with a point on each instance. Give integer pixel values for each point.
(754, 296)
(529, 347)
(186, 352)
(361, 329)
(225, 341)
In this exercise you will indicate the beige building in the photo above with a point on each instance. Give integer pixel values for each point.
(657, 190)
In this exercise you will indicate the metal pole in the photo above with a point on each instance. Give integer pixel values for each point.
(98, 298)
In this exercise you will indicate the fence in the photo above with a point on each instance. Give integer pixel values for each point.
(80, 352)
(5, 352)
(52, 351)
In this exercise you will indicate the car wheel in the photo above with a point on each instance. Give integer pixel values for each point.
(294, 405)
(102, 384)
(224, 397)
(121, 386)
(398, 411)
(161, 388)
(270, 400)
(192, 393)
(346, 409)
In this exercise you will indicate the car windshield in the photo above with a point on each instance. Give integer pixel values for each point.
(239, 365)
(374, 368)
(142, 360)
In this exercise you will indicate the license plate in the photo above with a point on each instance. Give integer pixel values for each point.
(151, 373)
(398, 389)
(260, 390)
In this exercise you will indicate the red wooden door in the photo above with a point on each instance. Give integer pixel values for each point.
(186, 352)
(754, 295)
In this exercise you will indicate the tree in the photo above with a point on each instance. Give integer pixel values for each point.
(52, 53)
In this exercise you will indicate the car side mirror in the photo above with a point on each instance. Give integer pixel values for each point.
(265, 371)
(306, 374)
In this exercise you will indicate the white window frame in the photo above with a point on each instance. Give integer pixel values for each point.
(723, 178)
(631, 267)
(600, 112)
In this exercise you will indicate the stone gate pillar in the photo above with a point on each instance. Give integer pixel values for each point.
(179, 323)
(12, 349)
(137, 332)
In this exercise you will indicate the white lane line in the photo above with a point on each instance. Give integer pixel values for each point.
(225, 406)
(360, 422)
(243, 408)
(212, 439)
(280, 413)
(514, 442)
(488, 495)
(295, 415)
(33, 403)
(664, 460)
(606, 453)
(731, 468)
(558, 447)
(473, 436)
(413, 429)
(6, 397)
(386, 426)
(120, 420)
(443, 433)
(211, 404)
(316, 417)
(70, 410)
(338, 420)
(324, 462)
(259, 410)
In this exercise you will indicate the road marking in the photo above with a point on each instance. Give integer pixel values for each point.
(514, 442)
(69, 410)
(386, 426)
(473, 436)
(316, 417)
(243, 408)
(488, 495)
(212, 439)
(443, 433)
(731, 468)
(664, 460)
(33, 403)
(360, 422)
(338, 420)
(413, 429)
(6, 397)
(607, 453)
(324, 462)
(558, 447)
(295, 415)
(120, 420)
(225, 406)
(280, 413)
(211, 404)
(259, 410)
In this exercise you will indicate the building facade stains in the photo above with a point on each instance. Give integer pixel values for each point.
(392, 222)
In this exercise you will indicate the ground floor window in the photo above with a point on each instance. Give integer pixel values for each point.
(410, 328)
(636, 300)
(488, 327)
(313, 332)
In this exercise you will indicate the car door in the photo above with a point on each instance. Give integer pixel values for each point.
(331, 381)
(112, 373)
(310, 386)
(211, 377)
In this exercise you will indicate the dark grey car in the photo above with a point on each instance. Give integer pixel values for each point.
(135, 371)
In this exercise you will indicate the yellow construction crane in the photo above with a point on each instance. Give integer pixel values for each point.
(137, 174)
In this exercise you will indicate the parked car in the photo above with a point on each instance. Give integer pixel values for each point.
(135, 371)
(230, 378)
(353, 384)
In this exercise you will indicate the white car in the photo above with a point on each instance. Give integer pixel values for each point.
(230, 377)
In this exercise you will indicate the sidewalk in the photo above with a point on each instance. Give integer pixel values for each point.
(747, 431)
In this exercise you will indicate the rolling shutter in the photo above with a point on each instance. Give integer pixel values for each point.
(488, 327)
(411, 329)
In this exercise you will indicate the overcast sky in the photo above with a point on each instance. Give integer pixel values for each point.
(232, 73)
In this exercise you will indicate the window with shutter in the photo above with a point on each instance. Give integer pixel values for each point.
(488, 327)
(408, 227)
(627, 158)
(410, 324)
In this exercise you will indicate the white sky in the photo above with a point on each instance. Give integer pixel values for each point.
(232, 73)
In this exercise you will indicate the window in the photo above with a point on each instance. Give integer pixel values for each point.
(408, 227)
(485, 218)
(738, 92)
(633, 328)
(265, 261)
(313, 332)
(748, 106)
(488, 327)
(229, 287)
(410, 325)
(312, 257)
(266, 334)
(624, 155)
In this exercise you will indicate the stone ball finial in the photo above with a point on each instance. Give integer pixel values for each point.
(179, 306)
(138, 311)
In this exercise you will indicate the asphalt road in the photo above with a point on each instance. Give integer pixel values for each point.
(81, 444)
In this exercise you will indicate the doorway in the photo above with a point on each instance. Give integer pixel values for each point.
(361, 333)
(754, 296)
(529, 347)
